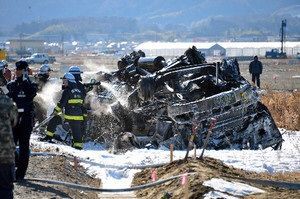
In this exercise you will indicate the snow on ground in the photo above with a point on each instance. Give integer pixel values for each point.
(233, 188)
(268, 160)
(217, 195)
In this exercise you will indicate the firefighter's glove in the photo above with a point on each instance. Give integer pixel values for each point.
(55, 112)
(85, 117)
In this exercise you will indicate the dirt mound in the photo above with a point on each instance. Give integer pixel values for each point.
(206, 170)
(54, 168)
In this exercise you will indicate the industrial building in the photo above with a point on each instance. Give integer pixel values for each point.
(229, 49)
(32, 44)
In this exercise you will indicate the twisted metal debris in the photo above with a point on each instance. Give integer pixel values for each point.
(168, 99)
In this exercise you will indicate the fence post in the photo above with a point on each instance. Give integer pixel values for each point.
(154, 175)
(185, 184)
(195, 153)
(76, 164)
(212, 125)
(217, 72)
(171, 152)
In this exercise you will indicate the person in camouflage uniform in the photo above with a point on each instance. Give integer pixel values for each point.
(8, 114)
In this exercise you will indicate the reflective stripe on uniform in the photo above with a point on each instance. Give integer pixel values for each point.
(49, 133)
(57, 109)
(73, 117)
(78, 144)
(75, 101)
(20, 110)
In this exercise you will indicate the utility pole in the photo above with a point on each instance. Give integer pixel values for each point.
(282, 31)
(62, 44)
(21, 45)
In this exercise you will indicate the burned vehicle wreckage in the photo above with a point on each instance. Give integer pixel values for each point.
(172, 100)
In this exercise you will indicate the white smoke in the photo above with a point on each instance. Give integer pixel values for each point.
(114, 92)
(118, 91)
(97, 106)
(91, 66)
(50, 94)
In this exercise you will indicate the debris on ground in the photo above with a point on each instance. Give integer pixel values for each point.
(168, 100)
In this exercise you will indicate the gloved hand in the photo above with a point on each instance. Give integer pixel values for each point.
(54, 112)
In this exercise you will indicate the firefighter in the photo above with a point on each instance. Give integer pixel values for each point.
(22, 91)
(71, 103)
(76, 72)
(42, 76)
(57, 120)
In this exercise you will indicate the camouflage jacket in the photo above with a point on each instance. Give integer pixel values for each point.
(8, 114)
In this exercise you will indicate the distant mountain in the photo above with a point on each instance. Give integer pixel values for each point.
(178, 18)
(152, 11)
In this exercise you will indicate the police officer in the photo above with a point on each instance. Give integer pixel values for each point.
(71, 103)
(22, 91)
(9, 114)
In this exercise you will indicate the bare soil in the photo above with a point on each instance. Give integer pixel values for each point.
(54, 168)
(278, 74)
(205, 170)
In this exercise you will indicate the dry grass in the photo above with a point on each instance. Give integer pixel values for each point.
(284, 107)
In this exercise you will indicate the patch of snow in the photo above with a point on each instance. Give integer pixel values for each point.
(267, 160)
(218, 195)
(232, 188)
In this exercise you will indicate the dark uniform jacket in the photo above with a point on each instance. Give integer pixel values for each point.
(72, 103)
(81, 88)
(22, 93)
(8, 114)
(255, 67)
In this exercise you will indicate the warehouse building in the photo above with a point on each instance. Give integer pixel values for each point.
(229, 49)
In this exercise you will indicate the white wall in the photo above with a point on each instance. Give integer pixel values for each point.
(232, 48)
